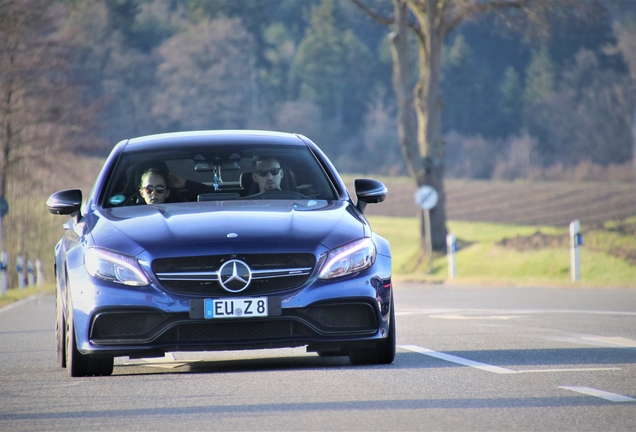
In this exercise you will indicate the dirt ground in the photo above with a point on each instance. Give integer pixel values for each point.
(541, 204)
(552, 204)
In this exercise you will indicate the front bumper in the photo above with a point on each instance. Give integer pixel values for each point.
(135, 330)
(119, 321)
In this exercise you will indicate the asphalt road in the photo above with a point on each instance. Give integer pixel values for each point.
(468, 359)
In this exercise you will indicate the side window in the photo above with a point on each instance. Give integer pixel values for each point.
(116, 189)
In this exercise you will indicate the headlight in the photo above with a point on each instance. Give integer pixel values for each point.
(347, 259)
(114, 267)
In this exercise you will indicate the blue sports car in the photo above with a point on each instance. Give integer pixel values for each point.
(220, 240)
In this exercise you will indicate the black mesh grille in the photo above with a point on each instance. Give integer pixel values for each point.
(260, 286)
(256, 262)
(126, 324)
(355, 316)
(235, 331)
(214, 262)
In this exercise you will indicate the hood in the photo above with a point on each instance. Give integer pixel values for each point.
(227, 227)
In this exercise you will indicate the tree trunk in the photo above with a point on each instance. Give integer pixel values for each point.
(406, 119)
(6, 153)
(431, 138)
(428, 106)
(420, 123)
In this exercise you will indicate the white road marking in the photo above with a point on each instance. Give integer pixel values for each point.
(20, 302)
(621, 341)
(441, 311)
(567, 370)
(490, 368)
(599, 341)
(613, 397)
(458, 360)
(476, 317)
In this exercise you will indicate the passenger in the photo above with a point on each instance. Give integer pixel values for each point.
(267, 173)
(177, 181)
(153, 187)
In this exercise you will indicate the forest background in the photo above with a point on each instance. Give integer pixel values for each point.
(536, 99)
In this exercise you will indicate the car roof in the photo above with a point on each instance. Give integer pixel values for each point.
(176, 139)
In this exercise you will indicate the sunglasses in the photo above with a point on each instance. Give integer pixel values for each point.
(272, 171)
(159, 189)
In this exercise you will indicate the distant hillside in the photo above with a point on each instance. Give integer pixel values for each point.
(526, 203)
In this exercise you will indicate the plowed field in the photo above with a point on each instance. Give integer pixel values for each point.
(553, 203)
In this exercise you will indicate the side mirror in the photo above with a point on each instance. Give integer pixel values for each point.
(369, 191)
(65, 202)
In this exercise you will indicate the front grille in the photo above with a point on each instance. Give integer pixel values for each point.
(198, 275)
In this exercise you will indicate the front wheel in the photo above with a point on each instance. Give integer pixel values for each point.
(382, 353)
(80, 365)
(60, 330)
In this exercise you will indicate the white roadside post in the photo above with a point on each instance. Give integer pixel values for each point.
(451, 248)
(576, 240)
(30, 273)
(19, 269)
(39, 272)
(426, 199)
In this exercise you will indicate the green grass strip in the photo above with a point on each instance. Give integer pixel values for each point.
(482, 260)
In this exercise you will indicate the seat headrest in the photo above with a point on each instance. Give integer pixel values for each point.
(246, 180)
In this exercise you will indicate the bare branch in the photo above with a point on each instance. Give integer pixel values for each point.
(377, 17)
(461, 13)
(389, 20)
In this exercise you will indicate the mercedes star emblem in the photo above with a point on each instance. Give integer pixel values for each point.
(235, 276)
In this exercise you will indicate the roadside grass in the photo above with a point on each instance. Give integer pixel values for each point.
(16, 294)
(481, 260)
(613, 235)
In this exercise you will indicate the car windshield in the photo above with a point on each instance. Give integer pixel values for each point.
(212, 173)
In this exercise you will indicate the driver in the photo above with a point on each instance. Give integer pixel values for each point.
(153, 187)
(267, 173)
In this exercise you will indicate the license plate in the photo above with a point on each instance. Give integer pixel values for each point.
(235, 308)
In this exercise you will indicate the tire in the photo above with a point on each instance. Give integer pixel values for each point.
(60, 331)
(79, 365)
(382, 353)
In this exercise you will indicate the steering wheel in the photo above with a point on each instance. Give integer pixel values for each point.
(134, 199)
(279, 194)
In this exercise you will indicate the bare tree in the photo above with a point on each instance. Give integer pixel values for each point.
(18, 23)
(40, 108)
(420, 108)
(39, 113)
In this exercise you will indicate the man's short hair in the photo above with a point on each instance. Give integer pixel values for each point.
(257, 159)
